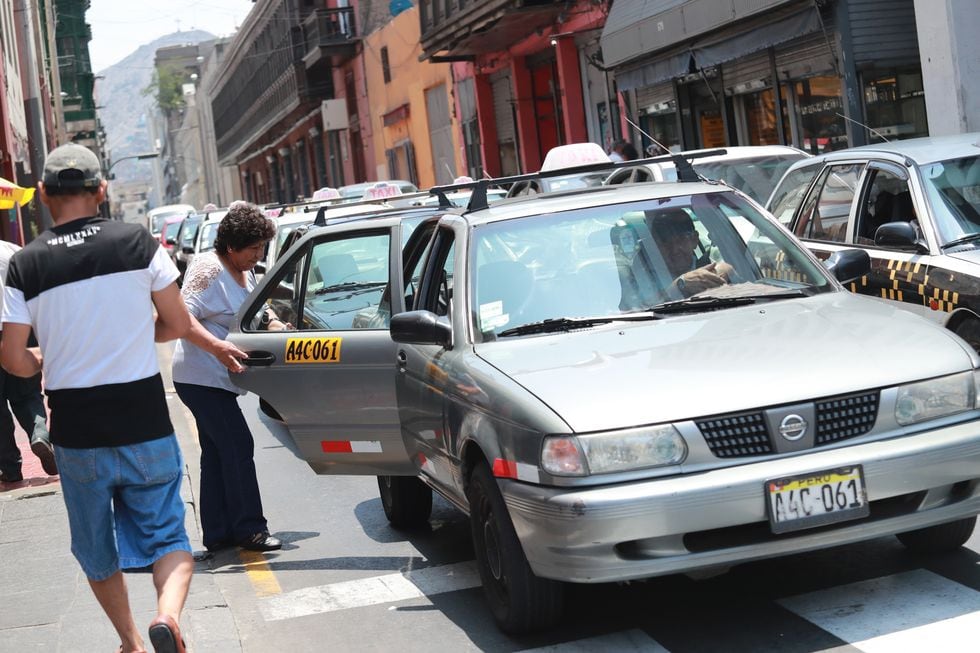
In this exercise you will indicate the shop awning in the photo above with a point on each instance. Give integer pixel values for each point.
(11, 194)
(758, 38)
(711, 52)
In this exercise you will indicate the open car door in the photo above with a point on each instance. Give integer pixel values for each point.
(332, 378)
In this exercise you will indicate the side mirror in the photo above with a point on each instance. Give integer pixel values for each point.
(421, 328)
(171, 241)
(259, 268)
(898, 235)
(187, 249)
(848, 265)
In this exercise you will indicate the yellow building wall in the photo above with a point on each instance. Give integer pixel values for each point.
(410, 78)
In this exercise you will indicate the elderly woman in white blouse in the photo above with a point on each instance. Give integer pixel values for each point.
(216, 285)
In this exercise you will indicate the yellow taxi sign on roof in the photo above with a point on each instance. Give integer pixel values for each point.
(572, 155)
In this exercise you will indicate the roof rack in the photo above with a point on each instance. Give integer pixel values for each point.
(321, 216)
(685, 173)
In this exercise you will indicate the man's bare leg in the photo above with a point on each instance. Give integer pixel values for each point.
(114, 599)
(172, 578)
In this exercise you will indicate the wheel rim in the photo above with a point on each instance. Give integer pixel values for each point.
(492, 544)
(491, 554)
(386, 491)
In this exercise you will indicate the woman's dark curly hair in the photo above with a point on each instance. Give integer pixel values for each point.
(243, 226)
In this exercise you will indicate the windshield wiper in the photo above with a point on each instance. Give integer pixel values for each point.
(963, 240)
(353, 286)
(709, 303)
(568, 323)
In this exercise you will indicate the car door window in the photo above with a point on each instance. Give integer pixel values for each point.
(888, 199)
(825, 213)
(414, 265)
(345, 281)
(790, 192)
(437, 288)
(332, 285)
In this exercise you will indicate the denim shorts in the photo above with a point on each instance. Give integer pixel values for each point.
(124, 504)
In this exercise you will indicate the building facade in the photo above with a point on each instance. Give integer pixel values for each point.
(414, 122)
(531, 82)
(818, 75)
(289, 99)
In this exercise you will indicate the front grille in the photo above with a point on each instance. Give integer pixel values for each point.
(737, 435)
(840, 418)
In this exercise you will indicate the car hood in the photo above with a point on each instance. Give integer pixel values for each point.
(681, 367)
(969, 253)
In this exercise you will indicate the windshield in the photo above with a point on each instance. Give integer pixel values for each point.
(624, 258)
(189, 231)
(208, 234)
(953, 190)
(756, 177)
(160, 218)
(170, 231)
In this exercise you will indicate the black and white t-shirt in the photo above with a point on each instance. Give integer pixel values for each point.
(85, 288)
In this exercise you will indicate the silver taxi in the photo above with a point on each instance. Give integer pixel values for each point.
(617, 383)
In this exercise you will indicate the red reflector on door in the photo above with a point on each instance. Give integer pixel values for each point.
(504, 468)
(336, 446)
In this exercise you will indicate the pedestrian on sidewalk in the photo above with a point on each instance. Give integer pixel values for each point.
(88, 286)
(24, 398)
(215, 286)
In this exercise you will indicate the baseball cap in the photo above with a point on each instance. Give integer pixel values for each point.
(72, 166)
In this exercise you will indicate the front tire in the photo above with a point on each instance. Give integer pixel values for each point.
(406, 500)
(520, 601)
(941, 538)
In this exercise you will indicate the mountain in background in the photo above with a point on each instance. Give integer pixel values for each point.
(125, 110)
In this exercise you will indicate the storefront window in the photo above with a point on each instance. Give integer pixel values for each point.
(895, 105)
(662, 125)
(819, 106)
(760, 117)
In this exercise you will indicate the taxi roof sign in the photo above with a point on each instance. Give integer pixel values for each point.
(574, 155)
(326, 193)
(382, 190)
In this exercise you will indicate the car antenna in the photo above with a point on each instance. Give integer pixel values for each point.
(861, 124)
(685, 171)
(640, 129)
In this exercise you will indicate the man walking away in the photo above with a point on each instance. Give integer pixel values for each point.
(24, 397)
(88, 287)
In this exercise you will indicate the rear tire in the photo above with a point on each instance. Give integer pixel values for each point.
(520, 601)
(406, 500)
(941, 538)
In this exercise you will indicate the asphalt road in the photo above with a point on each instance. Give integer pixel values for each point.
(346, 581)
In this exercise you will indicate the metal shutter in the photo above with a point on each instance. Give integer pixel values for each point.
(652, 95)
(752, 68)
(806, 57)
(503, 110)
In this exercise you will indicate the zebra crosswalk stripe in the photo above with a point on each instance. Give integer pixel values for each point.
(376, 590)
(910, 612)
(627, 641)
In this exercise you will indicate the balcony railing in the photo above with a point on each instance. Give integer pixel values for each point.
(463, 28)
(329, 33)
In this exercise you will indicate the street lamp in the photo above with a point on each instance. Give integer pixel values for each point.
(145, 155)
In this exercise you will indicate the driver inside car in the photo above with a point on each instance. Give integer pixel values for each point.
(677, 240)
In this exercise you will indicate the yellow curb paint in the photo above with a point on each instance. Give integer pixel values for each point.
(259, 573)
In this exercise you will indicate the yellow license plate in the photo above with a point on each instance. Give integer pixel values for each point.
(312, 350)
(816, 499)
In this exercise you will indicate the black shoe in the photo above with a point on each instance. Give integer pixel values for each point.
(45, 453)
(261, 542)
(11, 477)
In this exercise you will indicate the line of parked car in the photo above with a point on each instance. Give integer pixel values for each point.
(626, 370)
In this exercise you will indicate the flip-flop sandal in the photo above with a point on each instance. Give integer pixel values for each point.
(165, 636)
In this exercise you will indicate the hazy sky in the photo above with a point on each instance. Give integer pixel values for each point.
(121, 26)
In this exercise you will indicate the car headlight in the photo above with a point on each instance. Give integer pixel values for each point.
(925, 400)
(613, 451)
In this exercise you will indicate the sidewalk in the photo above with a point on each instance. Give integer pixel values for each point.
(47, 603)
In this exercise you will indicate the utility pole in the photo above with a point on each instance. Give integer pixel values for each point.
(29, 71)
